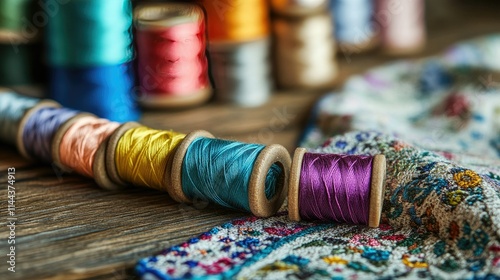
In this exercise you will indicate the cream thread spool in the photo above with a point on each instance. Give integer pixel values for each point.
(376, 188)
(305, 51)
(260, 205)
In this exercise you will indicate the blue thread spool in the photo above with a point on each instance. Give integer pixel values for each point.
(249, 177)
(106, 91)
(354, 28)
(89, 50)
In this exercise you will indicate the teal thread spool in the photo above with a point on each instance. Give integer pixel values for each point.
(91, 33)
(248, 177)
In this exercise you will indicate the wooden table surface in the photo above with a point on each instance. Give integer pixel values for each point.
(68, 228)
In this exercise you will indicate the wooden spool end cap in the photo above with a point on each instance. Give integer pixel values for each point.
(112, 143)
(27, 115)
(175, 177)
(260, 205)
(377, 190)
(56, 141)
(164, 15)
(293, 189)
(160, 101)
(101, 175)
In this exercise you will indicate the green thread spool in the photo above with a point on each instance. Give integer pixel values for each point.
(13, 14)
(248, 177)
(20, 64)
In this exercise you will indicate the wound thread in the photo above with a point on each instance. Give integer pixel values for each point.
(142, 155)
(40, 129)
(219, 171)
(335, 188)
(171, 50)
(80, 142)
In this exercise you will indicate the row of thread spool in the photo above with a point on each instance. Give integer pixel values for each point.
(242, 176)
(90, 47)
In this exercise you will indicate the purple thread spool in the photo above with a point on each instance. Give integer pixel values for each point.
(340, 188)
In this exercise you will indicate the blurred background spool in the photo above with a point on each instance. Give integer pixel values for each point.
(305, 51)
(354, 28)
(247, 177)
(239, 49)
(242, 72)
(298, 7)
(20, 46)
(89, 50)
(172, 65)
(402, 25)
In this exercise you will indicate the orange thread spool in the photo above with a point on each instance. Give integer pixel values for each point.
(237, 20)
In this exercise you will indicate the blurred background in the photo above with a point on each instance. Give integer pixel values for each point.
(121, 58)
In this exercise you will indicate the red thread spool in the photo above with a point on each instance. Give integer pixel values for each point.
(172, 64)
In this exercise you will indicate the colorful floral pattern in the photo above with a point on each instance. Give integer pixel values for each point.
(441, 213)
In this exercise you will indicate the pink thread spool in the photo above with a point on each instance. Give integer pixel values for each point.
(338, 188)
(403, 26)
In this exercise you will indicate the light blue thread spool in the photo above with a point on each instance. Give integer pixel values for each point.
(353, 21)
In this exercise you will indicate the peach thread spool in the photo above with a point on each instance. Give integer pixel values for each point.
(80, 144)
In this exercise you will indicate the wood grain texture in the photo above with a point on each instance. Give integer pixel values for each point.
(68, 228)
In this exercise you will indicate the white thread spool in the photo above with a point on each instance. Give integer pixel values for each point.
(241, 72)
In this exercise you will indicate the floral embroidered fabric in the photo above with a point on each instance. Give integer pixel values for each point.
(437, 123)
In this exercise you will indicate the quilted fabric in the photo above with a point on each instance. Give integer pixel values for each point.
(437, 122)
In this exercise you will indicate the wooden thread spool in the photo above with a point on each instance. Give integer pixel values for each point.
(298, 7)
(305, 51)
(376, 188)
(20, 141)
(98, 166)
(164, 18)
(260, 205)
(111, 152)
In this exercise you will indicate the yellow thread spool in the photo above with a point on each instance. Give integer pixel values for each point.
(143, 156)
